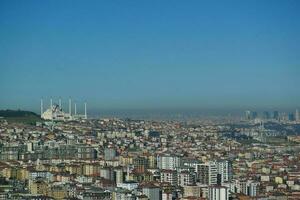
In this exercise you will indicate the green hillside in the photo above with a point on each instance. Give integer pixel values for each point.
(20, 116)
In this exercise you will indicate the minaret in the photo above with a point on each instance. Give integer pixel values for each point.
(51, 103)
(70, 107)
(42, 109)
(85, 114)
(75, 110)
(59, 102)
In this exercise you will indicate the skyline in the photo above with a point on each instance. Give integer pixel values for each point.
(158, 55)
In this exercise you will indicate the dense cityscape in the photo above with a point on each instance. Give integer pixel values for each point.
(71, 156)
(149, 100)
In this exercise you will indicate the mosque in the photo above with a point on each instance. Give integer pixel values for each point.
(56, 113)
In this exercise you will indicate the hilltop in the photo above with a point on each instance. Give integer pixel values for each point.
(20, 116)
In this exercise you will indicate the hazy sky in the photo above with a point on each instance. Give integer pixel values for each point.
(150, 54)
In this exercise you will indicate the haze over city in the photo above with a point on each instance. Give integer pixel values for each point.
(151, 55)
(149, 100)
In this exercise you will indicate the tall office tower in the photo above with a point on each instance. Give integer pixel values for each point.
(297, 117)
(291, 117)
(254, 115)
(276, 115)
(217, 192)
(168, 161)
(109, 153)
(266, 115)
(284, 116)
(248, 115)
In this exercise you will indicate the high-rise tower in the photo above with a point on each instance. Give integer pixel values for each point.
(297, 117)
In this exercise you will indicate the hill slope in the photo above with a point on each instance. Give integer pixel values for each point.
(20, 116)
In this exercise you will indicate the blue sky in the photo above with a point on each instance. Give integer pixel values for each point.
(150, 54)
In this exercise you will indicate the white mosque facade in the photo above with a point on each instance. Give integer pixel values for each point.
(56, 113)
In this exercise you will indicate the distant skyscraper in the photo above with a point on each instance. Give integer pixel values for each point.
(266, 115)
(248, 115)
(297, 117)
(254, 115)
(276, 115)
(291, 117)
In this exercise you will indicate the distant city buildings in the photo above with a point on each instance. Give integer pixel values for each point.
(158, 160)
(277, 116)
(297, 115)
